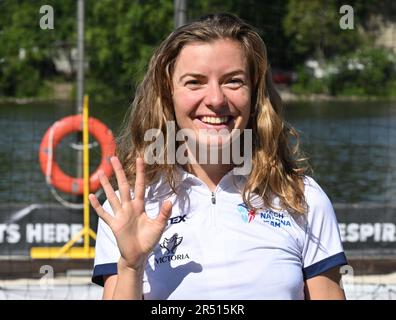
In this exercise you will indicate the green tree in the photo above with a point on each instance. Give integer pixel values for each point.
(266, 16)
(26, 52)
(314, 28)
(120, 38)
(368, 71)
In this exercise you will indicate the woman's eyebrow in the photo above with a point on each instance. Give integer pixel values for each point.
(235, 72)
(194, 75)
(228, 74)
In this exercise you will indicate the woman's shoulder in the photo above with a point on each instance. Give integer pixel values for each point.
(315, 197)
(311, 185)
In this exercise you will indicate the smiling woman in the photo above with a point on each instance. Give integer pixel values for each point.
(202, 230)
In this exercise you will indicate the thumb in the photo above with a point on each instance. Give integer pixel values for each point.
(165, 212)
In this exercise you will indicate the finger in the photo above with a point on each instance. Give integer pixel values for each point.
(165, 212)
(99, 209)
(123, 185)
(109, 191)
(139, 183)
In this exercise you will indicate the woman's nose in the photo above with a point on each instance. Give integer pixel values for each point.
(215, 96)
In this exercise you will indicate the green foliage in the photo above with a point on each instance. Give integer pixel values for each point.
(308, 84)
(26, 50)
(313, 26)
(265, 16)
(368, 71)
(120, 36)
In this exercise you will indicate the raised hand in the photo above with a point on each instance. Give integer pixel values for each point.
(135, 232)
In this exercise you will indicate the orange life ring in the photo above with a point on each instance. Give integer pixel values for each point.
(55, 134)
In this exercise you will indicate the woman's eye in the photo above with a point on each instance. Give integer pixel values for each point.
(235, 82)
(192, 83)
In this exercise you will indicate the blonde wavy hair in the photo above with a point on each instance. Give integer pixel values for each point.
(278, 167)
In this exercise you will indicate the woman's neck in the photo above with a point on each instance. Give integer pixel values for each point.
(210, 174)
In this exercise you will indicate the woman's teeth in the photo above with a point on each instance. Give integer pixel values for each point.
(215, 120)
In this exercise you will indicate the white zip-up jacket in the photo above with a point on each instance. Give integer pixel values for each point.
(214, 248)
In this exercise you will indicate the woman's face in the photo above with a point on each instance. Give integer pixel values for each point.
(212, 86)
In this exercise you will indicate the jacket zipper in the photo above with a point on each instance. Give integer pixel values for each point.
(213, 217)
(213, 198)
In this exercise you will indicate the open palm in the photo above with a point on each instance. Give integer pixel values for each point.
(135, 232)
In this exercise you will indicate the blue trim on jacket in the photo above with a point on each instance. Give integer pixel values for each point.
(317, 268)
(101, 270)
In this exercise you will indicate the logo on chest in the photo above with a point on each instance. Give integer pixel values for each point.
(170, 245)
(275, 219)
(177, 219)
(246, 214)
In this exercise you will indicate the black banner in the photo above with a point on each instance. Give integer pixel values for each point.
(365, 229)
(39, 225)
